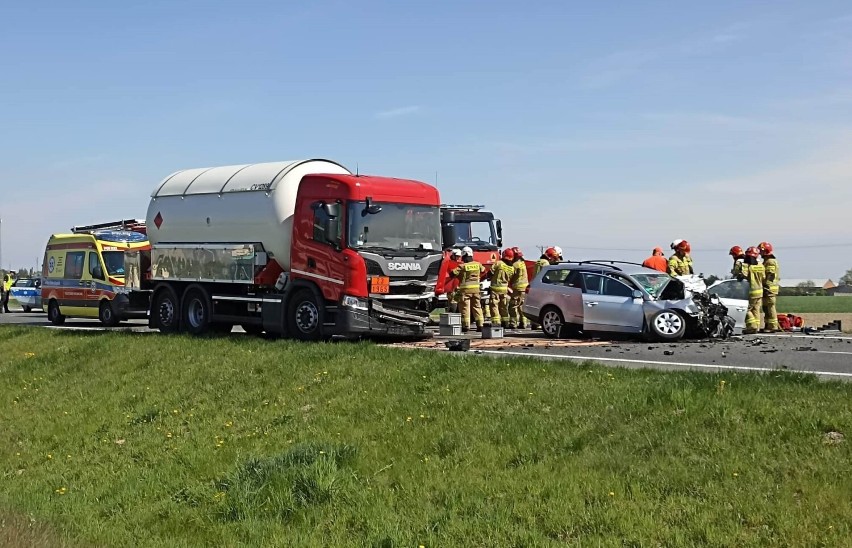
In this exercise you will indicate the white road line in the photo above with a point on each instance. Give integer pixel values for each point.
(833, 352)
(649, 362)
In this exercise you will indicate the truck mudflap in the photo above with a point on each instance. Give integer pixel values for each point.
(381, 320)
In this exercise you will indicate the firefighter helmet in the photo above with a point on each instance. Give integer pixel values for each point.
(551, 254)
(765, 248)
(508, 255)
(736, 251)
(467, 251)
(675, 243)
(518, 253)
(558, 251)
(752, 252)
(681, 245)
(456, 252)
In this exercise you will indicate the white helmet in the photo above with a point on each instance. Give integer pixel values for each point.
(676, 243)
(467, 251)
(456, 252)
(558, 250)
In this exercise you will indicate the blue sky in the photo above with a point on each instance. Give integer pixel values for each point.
(602, 127)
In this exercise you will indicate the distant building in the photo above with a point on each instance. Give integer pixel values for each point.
(819, 283)
(840, 291)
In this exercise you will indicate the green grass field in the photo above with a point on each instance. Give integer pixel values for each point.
(804, 305)
(148, 440)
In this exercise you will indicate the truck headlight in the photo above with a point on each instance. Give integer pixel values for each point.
(355, 302)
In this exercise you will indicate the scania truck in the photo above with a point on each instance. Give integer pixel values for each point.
(302, 249)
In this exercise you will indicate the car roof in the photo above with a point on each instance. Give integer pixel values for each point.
(629, 269)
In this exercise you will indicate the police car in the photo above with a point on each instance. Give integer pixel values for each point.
(27, 293)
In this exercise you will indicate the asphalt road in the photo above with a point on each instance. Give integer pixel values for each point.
(829, 356)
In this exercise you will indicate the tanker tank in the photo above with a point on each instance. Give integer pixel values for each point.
(232, 204)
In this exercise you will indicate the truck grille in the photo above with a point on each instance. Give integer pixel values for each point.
(375, 269)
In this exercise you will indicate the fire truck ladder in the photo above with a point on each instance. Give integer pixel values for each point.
(134, 225)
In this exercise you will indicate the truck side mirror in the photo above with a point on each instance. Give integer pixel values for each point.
(499, 233)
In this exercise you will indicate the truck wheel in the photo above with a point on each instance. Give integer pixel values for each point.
(165, 310)
(106, 314)
(667, 325)
(54, 315)
(305, 316)
(197, 309)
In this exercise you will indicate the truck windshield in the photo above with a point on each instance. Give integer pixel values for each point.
(479, 235)
(396, 226)
(114, 261)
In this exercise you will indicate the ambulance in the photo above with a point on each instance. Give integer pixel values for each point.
(83, 273)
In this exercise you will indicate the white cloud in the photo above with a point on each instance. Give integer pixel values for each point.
(400, 111)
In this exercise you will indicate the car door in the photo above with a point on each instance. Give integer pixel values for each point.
(609, 305)
(734, 295)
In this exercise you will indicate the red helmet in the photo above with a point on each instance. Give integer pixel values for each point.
(518, 253)
(752, 252)
(508, 254)
(736, 251)
(765, 248)
(683, 245)
(551, 254)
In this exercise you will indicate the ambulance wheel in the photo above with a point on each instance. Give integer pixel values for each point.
(54, 315)
(107, 315)
(197, 310)
(166, 311)
(305, 316)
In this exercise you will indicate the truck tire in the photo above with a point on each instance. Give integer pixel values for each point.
(305, 316)
(107, 315)
(667, 325)
(197, 310)
(53, 314)
(166, 311)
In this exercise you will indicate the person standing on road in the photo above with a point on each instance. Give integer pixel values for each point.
(680, 264)
(501, 274)
(469, 274)
(2, 296)
(518, 284)
(738, 255)
(451, 287)
(771, 286)
(755, 274)
(7, 288)
(657, 260)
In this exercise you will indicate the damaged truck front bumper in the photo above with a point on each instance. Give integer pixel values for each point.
(370, 317)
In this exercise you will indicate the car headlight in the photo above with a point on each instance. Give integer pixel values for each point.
(355, 302)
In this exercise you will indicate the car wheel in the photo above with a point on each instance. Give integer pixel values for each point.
(305, 316)
(54, 315)
(551, 321)
(667, 325)
(107, 315)
(166, 311)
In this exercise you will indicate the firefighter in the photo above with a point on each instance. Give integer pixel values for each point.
(518, 284)
(501, 274)
(771, 285)
(657, 260)
(738, 255)
(451, 287)
(469, 273)
(756, 275)
(680, 264)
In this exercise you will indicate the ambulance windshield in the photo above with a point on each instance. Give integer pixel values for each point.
(114, 261)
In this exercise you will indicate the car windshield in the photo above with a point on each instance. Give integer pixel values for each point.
(395, 226)
(114, 261)
(652, 283)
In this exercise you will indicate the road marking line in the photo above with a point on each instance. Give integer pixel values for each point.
(834, 352)
(650, 362)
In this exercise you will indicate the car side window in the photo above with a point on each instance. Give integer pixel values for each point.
(555, 276)
(732, 289)
(616, 288)
(74, 264)
(591, 283)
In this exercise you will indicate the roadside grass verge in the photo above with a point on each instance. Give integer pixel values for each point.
(817, 304)
(152, 440)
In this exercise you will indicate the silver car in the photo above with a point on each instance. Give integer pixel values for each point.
(734, 295)
(610, 297)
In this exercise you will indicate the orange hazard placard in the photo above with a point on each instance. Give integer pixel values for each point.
(380, 284)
